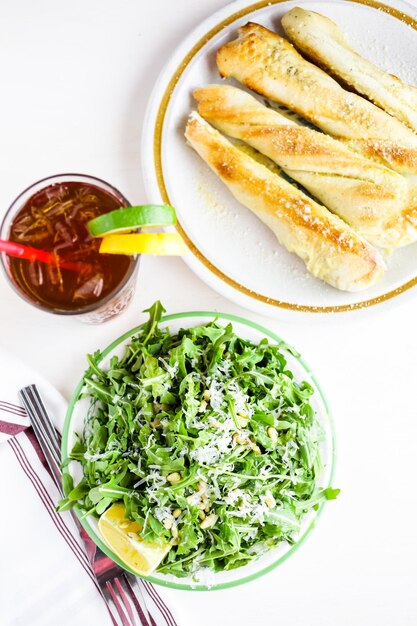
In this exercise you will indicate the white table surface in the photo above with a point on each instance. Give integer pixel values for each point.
(75, 78)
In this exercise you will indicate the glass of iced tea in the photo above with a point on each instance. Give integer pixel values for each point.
(52, 215)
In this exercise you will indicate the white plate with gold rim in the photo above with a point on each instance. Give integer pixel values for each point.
(229, 248)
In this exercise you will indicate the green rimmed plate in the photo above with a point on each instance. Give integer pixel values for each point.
(249, 330)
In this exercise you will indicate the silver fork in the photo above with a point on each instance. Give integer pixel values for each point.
(120, 589)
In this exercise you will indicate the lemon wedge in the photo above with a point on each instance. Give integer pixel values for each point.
(120, 535)
(143, 243)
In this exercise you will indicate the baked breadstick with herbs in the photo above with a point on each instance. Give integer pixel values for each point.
(367, 195)
(331, 250)
(323, 42)
(271, 66)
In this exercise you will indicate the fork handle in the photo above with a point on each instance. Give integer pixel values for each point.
(45, 433)
(48, 439)
(49, 442)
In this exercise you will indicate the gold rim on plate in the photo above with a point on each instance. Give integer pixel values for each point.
(157, 146)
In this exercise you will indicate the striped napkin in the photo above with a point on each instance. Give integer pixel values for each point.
(45, 576)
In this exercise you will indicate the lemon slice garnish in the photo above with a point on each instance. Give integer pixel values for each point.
(144, 243)
(121, 536)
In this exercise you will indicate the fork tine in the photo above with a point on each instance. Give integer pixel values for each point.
(135, 593)
(118, 602)
(138, 599)
(128, 599)
(122, 593)
(110, 604)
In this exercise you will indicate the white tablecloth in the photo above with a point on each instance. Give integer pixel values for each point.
(358, 568)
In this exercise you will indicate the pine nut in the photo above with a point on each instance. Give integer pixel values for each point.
(174, 532)
(202, 515)
(202, 484)
(209, 521)
(161, 407)
(175, 477)
(238, 439)
(270, 501)
(206, 395)
(177, 513)
(272, 434)
(242, 421)
(205, 502)
(203, 406)
(167, 523)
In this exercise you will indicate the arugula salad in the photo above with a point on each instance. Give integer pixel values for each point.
(206, 438)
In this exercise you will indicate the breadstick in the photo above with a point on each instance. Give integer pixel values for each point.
(330, 249)
(270, 65)
(321, 40)
(367, 195)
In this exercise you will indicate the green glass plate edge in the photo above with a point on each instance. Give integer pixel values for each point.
(268, 333)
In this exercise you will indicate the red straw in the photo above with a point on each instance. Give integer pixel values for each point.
(34, 254)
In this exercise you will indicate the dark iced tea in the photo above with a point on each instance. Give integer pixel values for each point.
(54, 218)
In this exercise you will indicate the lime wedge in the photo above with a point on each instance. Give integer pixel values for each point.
(160, 244)
(131, 217)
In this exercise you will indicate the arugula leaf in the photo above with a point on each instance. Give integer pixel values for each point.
(208, 440)
(155, 313)
(331, 494)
